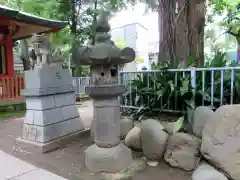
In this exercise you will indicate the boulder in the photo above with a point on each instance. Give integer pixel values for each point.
(126, 124)
(133, 138)
(182, 151)
(220, 140)
(201, 115)
(173, 127)
(207, 172)
(154, 139)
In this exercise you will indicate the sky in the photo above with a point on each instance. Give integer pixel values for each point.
(133, 15)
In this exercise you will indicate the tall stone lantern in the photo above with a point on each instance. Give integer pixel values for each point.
(107, 154)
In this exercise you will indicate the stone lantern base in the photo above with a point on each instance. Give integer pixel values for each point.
(109, 160)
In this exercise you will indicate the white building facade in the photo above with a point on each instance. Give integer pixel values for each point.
(135, 36)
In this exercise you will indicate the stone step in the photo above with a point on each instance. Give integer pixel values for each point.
(16, 169)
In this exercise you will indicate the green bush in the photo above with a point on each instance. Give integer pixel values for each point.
(12, 110)
(13, 107)
(154, 92)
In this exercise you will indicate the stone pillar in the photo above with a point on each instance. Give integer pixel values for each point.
(107, 154)
(52, 116)
(107, 116)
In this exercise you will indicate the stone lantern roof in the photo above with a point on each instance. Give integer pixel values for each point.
(104, 51)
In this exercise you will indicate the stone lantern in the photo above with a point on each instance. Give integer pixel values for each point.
(107, 154)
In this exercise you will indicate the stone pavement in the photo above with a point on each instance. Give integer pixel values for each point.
(12, 168)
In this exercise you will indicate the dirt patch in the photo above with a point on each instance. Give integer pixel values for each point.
(68, 161)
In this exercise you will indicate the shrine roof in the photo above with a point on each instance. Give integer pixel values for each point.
(29, 18)
(22, 25)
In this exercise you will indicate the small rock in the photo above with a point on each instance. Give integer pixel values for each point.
(133, 138)
(152, 163)
(173, 127)
(201, 115)
(182, 151)
(154, 139)
(207, 172)
(126, 124)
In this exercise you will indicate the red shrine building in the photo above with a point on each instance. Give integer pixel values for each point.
(16, 25)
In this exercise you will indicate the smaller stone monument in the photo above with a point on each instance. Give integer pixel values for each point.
(107, 154)
(52, 116)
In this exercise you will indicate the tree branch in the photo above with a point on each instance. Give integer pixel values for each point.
(231, 33)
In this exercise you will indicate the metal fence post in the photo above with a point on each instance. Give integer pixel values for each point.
(119, 76)
(193, 82)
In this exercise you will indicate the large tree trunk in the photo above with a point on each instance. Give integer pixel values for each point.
(181, 31)
(173, 30)
(165, 31)
(196, 23)
(73, 26)
(180, 28)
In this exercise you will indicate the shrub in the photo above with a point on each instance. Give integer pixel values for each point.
(161, 90)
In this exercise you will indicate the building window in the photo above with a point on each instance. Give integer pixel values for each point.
(3, 59)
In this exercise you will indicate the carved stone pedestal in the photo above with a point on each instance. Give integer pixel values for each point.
(107, 154)
(52, 117)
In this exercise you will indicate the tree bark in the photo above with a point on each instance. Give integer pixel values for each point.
(173, 30)
(180, 28)
(73, 20)
(181, 31)
(165, 30)
(196, 23)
